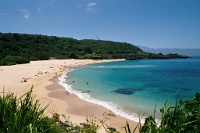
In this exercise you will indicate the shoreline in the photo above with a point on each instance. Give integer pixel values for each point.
(43, 76)
(109, 106)
(78, 109)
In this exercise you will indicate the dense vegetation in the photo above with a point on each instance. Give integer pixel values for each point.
(21, 48)
(41, 47)
(183, 117)
(23, 115)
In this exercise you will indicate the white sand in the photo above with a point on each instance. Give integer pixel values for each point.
(43, 76)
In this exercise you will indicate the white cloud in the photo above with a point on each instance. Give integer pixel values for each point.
(27, 16)
(25, 13)
(91, 7)
(91, 4)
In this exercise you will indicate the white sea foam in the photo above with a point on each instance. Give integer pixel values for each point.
(114, 108)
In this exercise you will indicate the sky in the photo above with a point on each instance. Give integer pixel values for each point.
(150, 23)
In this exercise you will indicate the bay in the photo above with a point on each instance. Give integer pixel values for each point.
(130, 88)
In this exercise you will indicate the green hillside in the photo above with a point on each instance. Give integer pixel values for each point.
(41, 47)
(18, 48)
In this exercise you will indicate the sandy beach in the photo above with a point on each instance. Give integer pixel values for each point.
(43, 76)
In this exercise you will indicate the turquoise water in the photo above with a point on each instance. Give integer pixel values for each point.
(132, 87)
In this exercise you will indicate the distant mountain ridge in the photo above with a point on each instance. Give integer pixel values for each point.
(188, 52)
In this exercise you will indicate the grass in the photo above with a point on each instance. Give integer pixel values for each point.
(183, 117)
(24, 115)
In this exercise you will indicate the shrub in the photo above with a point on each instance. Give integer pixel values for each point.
(183, 117)
(12, 60)
(23, 115)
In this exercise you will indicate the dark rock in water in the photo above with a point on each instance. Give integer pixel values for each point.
(86, 91)
(124, 91)
(127, 91)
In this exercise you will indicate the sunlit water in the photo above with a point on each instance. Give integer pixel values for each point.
(130, 88)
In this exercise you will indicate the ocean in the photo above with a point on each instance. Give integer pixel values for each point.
(136, 87)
